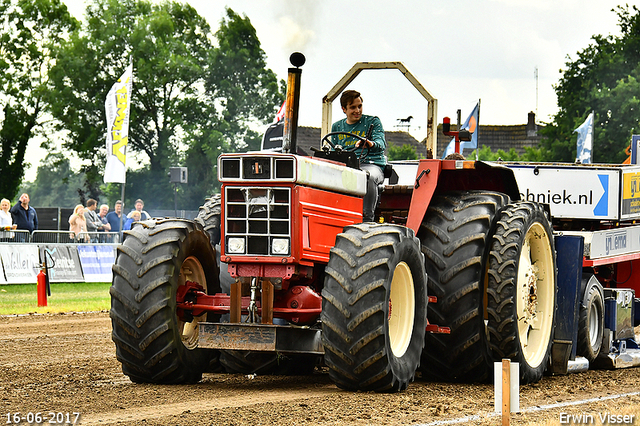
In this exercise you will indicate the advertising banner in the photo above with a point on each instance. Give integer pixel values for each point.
(630, 204)
(571, 192)
(117, 108)
(3, 279)
(63, 263)
(20, 262)
(96, 263)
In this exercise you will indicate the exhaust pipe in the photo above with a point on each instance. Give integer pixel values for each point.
(290, 131)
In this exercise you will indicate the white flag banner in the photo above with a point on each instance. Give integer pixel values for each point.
(117, 106)
(585, 140)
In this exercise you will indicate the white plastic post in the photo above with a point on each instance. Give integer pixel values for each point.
(513, 388)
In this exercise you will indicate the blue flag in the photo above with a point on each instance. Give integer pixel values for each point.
(585, 140)
(472, 126)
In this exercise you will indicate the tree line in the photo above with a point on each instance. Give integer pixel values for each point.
(199, 92)
(196, 93)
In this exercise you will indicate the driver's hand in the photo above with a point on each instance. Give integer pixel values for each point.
(369, 144)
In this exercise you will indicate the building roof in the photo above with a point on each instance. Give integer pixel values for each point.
(308, 137)
(518, 136)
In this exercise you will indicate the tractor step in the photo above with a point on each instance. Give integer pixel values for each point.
(260, 337)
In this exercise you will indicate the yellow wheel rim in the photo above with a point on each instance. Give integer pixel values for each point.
(535, 295)
(191, 270)
(401, 309)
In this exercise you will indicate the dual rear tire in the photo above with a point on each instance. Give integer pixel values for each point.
(491, 264)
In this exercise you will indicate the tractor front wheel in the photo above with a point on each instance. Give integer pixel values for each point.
(374, 306)
(152, 342)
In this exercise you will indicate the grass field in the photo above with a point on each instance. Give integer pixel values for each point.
(65, 297)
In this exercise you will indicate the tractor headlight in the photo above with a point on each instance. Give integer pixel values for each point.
(235, 245)
(280, 246)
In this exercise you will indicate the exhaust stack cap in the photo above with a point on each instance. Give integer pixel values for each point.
(297, 59)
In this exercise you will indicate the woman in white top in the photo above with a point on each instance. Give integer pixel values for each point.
(6, 222)
(78, 225)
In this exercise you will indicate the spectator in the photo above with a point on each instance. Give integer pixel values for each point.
(6, 222)
(106, 227)
(93, 220)
(115, 217)
(78, 225)
(24, 216)
(139, 205)
(135, 217)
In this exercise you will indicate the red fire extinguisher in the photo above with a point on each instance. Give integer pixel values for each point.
(42, 288)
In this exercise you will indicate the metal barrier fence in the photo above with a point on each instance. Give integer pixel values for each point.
(15, 236)
(59, 237)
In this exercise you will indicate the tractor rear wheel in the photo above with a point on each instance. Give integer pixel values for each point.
(153, 344)
(454, 238)
(374, 306)
(209, 217)
(521, 289)
(591, 323)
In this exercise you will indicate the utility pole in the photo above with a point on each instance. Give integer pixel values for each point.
(535, 74)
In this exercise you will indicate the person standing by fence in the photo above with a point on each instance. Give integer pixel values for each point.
(106, 227)
(93, 220)
(115, 216)
(135, 217)
(6, 222)
(78, 225)
(139, 206)
(25, 217)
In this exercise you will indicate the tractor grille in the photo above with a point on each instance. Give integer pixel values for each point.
(257, 221)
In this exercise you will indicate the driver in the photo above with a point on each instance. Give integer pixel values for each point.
(375, 160)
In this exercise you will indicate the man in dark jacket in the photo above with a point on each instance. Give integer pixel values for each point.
(24, 216)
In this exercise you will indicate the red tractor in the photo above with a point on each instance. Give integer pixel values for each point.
(309, 280)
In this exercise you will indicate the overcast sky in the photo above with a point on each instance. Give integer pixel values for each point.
(461, 51)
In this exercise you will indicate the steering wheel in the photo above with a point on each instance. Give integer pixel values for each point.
(364, 153)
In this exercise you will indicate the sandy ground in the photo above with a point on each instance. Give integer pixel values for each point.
(67, 364)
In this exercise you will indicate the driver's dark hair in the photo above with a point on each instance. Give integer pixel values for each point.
(349, 96)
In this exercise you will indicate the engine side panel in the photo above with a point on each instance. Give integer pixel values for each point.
(320, 216)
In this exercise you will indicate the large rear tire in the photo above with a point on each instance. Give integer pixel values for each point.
(454, 238)
(374, 305)
(152, 343)
(522, 289)
(209, 217)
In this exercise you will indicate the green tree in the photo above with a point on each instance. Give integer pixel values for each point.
(168, 44)
(190, 100)
(605, 79)
(404, 152)
(529, 154)
(247, 94)
(30, 30)
(56, 183)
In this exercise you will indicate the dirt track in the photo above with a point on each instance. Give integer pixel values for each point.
(66, 363)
